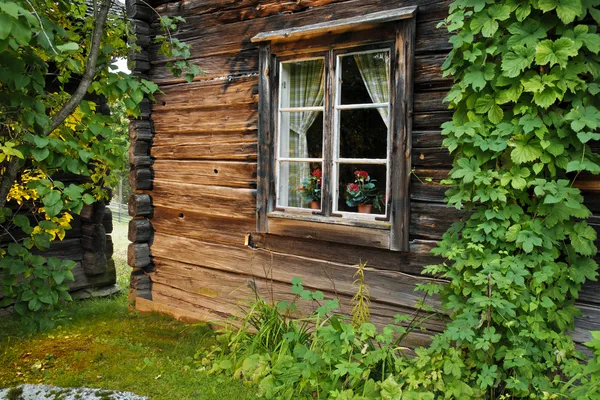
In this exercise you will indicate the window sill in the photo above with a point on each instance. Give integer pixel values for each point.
(332, 229)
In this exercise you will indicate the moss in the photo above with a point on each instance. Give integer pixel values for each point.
(15, 393)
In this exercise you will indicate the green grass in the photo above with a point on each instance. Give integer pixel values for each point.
(99, 343)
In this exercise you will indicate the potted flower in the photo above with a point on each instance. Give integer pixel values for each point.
(311, 189)
(363, 193)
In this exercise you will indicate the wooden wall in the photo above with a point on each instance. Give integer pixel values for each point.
(194, 165)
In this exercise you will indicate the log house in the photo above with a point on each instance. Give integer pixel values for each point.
(214, 162)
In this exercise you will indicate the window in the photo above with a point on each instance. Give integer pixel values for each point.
(334, 130)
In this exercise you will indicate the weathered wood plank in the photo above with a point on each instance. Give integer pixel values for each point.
(217, 173)
(140, 230)
(217, 200)
(140, 205)
(410, 262)
(204, 226)
(235, 36)
(359, 236)
(389, 287)
(208, 94)
(234, 151)
(224, 119)
(67, 249)
(140, 179)
(140, 130)
(337, 26)
(431, 220)
(138, 255)
(94, 262)
(432, 158)
(83, 281)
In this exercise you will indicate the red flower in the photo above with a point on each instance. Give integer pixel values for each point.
(361, 174)
(316, 173)
(301, 188)
(353, 187)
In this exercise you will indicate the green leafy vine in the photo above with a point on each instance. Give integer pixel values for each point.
(525, 116)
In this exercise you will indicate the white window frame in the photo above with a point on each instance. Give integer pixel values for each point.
(278, 141)
(336, 160)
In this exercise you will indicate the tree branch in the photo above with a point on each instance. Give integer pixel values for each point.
(8, 178)
(90, 70)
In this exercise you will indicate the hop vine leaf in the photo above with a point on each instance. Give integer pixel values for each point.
(555, 52)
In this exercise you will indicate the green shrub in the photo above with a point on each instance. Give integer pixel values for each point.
(321, 356)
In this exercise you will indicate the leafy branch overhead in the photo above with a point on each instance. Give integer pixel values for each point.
(56, 73)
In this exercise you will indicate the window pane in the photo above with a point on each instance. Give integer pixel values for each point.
(363, 133)
(299, 185)
(301, 134)
(302, 84)
(362, 184)
(365, 78)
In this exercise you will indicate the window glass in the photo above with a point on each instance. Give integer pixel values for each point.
(300, 134)
(299, 184)
(363, 134)
(307, 144)
(362, 184)
(361, 162)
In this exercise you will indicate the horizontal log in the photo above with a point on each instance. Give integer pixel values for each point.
(354, 235)
(431, 220)
(410, 262)
(424, 191)
(428, 73)
(140, 161)
(431, 158)
(225, 293)
(208, 94)
(93, 237)
(110, 247)
(140, 230)
(140, 205)
(429, 121)
(94, 262)
(235, 151)
(139, 10)
(217, 173)
(389, 287)
(107, 220)
(204, 138)
(223, 119)
(216, 200)
(138, 255)
(203, 226)
(139, 148)
(427, 139)
(140, 130)
(140, 179)
(67, 249)
(215, 66)
(84, 281)
(215, 12)
(141, 285)
(431, 101)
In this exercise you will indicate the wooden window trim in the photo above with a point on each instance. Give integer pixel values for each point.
(392, 234)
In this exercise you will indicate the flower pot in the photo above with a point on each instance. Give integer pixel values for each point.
(315, 205)
(365, 208)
